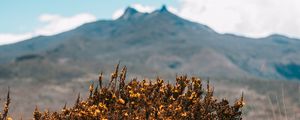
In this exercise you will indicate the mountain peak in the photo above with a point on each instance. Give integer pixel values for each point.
(164, 9)
(129, 11)
(133, 13)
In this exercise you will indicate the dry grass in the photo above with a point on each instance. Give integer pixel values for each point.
(4, 115)
(143, 99)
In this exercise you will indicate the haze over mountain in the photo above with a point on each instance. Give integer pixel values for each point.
(159, 41)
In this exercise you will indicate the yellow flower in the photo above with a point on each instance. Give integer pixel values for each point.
(183, 114)
(121, 101)
(97, 111)
(161, 106)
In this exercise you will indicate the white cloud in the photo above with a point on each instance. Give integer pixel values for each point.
(57, 24)
(53, 24)
(255, 18)
(11, 38)
(173, 9)
(118, 13)
(139, 7)
(143, 8)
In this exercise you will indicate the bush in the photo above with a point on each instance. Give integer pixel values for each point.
(186, 99)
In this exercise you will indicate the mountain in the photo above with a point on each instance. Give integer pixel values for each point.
(159, 41)
(51, 70)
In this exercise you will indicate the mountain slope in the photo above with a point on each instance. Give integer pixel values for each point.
(161, 44)
(165, 42)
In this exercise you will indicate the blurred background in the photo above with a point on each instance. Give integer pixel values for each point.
(52, 50)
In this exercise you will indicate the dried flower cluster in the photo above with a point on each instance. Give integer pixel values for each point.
(187, 99)
(148, 100)
(4, 115)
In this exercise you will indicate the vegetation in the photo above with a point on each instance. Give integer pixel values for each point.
(186, 99)
(4, 115)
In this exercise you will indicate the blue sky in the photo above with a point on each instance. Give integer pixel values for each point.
(20, 16)
(23, 19)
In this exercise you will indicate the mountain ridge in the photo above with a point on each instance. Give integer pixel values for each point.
(159, 34)
(162, 44)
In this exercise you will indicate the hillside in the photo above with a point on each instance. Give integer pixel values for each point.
(160, 41)
(150, 44)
